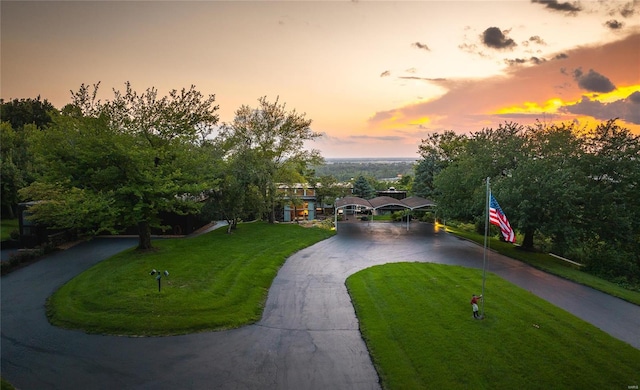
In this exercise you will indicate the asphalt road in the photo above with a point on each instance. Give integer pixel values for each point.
(308, 337)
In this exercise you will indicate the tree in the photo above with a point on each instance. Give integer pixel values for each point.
(611, 212)
(234, 196)
(438, 150)
(423, 185)
(574, 188)
(12, 178)
(21, 112)
(273, 138)
(19, 118)
(363, 189)
(328, 190)
(546, 184)
(117, 164)
(458, 187)
(348, 170)
(405, 183)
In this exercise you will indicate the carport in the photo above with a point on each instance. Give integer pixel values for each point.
(411, 203)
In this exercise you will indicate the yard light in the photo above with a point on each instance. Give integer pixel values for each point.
(159, 277)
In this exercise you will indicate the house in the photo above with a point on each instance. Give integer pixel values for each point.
(299, 202)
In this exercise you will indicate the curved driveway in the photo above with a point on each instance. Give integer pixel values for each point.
(308, 337)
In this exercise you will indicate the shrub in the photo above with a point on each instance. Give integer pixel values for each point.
(20, 257)
(427, 216)
(397, 216)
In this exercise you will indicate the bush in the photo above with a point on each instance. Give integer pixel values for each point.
(397, 216)
(426, 216)
(610, 263)
(322, 224)
(20, 257)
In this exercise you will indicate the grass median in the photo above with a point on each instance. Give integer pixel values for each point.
(6, 227)
(416, 320)
(216, 281)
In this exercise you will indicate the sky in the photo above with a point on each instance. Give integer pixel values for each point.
(375, 77)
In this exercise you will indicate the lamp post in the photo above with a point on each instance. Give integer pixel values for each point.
(335, 209)
(159, 277)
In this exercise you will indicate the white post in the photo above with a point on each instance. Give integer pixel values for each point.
(486, 235)
(408, 215)
(335, 212)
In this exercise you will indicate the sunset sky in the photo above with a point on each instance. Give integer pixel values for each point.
(376, 77)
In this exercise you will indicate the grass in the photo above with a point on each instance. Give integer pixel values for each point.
(216, 281)
(551, 265)
(4, 385)
(6, 227)
(417, 323)
(382, 218)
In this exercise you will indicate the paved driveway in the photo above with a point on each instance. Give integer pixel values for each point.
(308, 337)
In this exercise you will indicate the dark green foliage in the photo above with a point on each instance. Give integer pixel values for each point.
(329, 189)
(345, 171)
(6, 385)
(21, 112)
(270, 142)
(19, 118)
(108, 166)
(574, 187)
(363, 189)
(438, 150)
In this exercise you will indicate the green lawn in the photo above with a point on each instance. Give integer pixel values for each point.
(5, 385)
(216, 281)
(6, 227)
(417, 323)
(552, 265)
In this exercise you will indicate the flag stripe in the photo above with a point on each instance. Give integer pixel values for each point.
(498, 218)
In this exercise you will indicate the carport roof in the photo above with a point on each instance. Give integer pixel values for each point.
(412, 202)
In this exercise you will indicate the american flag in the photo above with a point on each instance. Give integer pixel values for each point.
(497, 217)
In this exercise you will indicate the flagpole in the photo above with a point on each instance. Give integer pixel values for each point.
(486, 235)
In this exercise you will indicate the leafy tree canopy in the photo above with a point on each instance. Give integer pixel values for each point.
(273, 138)
(21, 112)
(575, 187)
(119, 163)
(363, 189)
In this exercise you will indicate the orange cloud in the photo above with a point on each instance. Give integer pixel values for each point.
(548, 91)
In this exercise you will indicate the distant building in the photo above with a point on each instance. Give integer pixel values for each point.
(300, 203)
(392, 193)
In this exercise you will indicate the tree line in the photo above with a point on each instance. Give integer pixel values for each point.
(105, 166)
(569, 190)
(347, 171)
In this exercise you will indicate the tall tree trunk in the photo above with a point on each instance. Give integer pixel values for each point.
(295, 213)
(144, 235)
(12, 211)
(272, 211)
(527, 243)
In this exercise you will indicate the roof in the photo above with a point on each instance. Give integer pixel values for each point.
(412, 202)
